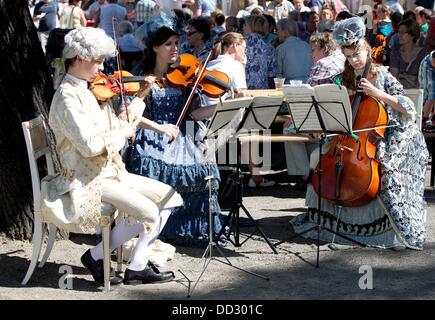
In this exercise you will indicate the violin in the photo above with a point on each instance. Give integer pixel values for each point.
(212, 83)
(105, 87)
(380, 50)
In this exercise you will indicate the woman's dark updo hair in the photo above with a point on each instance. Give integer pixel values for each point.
(157, 39)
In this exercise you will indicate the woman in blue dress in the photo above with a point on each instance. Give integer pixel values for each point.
(175, 157)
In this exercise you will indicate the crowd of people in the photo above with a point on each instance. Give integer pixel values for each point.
(158, 179)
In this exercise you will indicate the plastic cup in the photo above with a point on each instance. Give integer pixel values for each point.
(279, 82)
(295, 82)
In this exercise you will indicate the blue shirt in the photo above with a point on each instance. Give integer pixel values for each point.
(206, 6)
(48, 22)
(294, 59)
(107, 12)
(126, 43)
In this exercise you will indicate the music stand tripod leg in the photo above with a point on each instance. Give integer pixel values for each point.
(257, 227)
(208, 253)
(234, 214)
(318, 227)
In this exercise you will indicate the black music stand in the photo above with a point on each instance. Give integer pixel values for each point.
(233, 114)
(331, 116)
(258, 115)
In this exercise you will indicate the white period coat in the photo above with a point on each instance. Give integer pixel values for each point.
(88, 143)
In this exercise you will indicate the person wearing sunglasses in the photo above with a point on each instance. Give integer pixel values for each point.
(198, 38)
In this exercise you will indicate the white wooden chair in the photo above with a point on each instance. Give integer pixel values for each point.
(35, 133)
(416, 95)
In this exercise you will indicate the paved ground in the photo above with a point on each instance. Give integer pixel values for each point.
(396, 275)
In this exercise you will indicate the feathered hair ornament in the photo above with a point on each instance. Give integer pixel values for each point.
(349, 31)
(145, 33)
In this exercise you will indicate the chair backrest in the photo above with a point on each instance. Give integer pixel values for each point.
(35, 134)
(416, 95)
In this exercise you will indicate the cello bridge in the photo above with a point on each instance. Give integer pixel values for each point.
(343, 147)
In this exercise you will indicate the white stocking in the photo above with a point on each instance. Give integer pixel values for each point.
(140, 258)
(121, 233)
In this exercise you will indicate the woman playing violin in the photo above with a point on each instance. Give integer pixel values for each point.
(178, 163)
(396, 217)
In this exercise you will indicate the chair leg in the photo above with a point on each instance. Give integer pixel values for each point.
(119, 258)
(119, 253)
(52, 229)
(38, 232)
(105, 231)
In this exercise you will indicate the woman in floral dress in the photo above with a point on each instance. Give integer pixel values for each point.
(261, 64)
(396, 218)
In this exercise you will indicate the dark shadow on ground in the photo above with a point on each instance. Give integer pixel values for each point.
(14, 268)
(338, 277)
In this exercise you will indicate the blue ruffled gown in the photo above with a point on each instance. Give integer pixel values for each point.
(179, 164)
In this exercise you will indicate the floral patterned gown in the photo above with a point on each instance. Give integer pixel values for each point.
(178, 164)
(398, 215)
(261, 62)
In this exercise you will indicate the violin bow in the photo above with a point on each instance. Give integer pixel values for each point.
(119, 65)
(195, 86)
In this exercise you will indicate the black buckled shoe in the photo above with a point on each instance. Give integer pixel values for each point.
(97, 269)
(148, 275)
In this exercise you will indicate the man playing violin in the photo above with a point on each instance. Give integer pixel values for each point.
(88, 140)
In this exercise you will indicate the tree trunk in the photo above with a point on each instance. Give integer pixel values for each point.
(26, 88)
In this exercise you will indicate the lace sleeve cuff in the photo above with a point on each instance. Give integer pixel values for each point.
(408, 105)
(114, 141)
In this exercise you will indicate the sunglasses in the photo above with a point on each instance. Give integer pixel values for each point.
(191, 33)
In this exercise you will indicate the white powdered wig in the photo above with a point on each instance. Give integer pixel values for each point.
(88, 43)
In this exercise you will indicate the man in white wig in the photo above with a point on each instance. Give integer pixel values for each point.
(88, 140)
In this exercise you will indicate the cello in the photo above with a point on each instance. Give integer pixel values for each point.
(350, 172)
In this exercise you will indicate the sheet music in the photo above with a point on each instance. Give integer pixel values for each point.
(300, 101)
(226, 112)
(264, 110)
(334, 107)
(228, 116)
(224, 135)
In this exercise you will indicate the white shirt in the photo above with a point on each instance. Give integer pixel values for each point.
(233, 69)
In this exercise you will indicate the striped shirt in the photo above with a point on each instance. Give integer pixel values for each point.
(327, 68)
(144, 10)
(426, 78)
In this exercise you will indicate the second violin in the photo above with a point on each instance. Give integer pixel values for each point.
(212, 83)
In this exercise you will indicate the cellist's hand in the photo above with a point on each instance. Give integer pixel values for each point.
(368, 88)
(287, 123)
